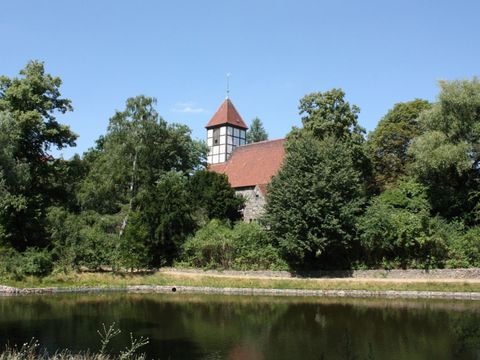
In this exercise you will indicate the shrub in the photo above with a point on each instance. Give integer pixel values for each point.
(32, 261)
(397, 228)
(210, 247)
(86, 240)
(37, 262)
(254, 250)
(243, 247)
(464, 251)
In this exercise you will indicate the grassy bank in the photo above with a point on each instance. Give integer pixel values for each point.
(194, 279)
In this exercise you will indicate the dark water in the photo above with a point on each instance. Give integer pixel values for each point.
(235, 327)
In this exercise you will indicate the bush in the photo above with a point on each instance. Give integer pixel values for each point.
(464, 251)
(32, 262)
(84, 240)
(37, 262)
(210, 247)
(243, 247)
(254, 250)
(397, 228)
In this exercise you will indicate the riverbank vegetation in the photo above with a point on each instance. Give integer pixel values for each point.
(405, 196)
(76, 280)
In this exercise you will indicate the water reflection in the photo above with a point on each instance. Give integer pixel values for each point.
(236, 327)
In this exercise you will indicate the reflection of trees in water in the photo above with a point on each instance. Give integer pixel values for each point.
(410, 333)
(243, 327)
(236, 327)
(466, 330)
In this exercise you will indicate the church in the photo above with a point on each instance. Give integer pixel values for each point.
(249, 167)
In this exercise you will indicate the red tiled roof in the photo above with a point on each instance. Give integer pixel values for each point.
(253, 164)
(227, 114)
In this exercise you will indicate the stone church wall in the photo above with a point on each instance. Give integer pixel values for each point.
(254, 202)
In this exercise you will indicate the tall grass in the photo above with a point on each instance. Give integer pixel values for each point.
(33, 350)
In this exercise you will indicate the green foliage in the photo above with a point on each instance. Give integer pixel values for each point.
(313, 202)
(33, 100)
(447, 155)
(31, 262)
(211, 247)
(256, 132)
(328, 114)
(161, 222)
(464, 251)
(138, 148)
(138, 169)
(397, 227)
(253, 249)
(134, 199)
(28, 130)
(388, 143)
(86, 240)
(213, 197)
(243, 247)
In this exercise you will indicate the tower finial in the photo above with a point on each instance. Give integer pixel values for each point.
(228, 86)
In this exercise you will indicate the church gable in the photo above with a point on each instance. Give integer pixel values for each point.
(253, 164)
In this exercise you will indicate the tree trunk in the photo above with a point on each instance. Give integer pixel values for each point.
(132, 189)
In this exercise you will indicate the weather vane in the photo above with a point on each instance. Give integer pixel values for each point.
(228, 85)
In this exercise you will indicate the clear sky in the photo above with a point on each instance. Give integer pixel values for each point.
(379, 52)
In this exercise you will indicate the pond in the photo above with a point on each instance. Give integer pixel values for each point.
(181, 326)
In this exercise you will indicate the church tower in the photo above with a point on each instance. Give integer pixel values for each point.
(225, 131)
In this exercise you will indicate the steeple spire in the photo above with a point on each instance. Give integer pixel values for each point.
(225, 131)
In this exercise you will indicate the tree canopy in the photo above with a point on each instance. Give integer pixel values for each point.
(143, 197)
(329, 114)
(256, 132)
(389, 142)
(446, 156)
(313, 202)
(28, 130)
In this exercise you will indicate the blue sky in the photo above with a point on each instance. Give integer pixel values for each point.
(379, 52)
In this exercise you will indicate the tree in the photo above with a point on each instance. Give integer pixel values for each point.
(388, 143)
(139, 170)
(447, 155)
(161, 221)
(256, 132)
(313, 202)
(29, 127)
(138, 148)
(213, 197)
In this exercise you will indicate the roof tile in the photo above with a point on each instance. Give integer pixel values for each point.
(253, 164)
(227, 114)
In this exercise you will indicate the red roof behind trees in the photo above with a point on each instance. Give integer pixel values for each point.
(253, 164)
(227, 114)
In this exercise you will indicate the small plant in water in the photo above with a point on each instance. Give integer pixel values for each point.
(129, 353)
(106, 336)
(135, 344)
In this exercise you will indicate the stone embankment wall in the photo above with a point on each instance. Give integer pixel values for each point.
(4, 290)
(455, 274)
